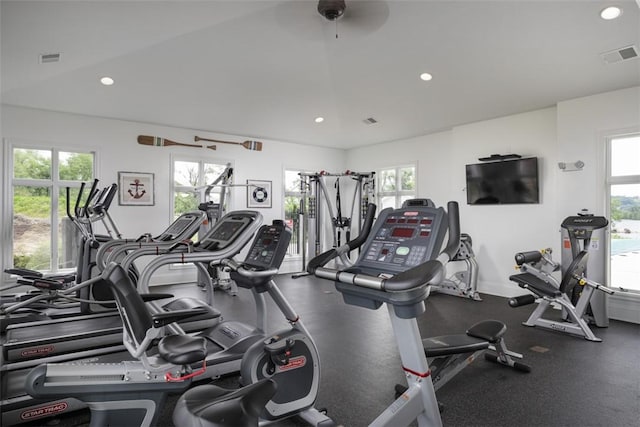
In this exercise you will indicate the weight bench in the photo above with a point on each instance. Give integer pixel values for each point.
(450, 354)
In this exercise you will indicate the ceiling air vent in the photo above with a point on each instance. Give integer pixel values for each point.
(47, 58)
(370, 121)
(619, 55)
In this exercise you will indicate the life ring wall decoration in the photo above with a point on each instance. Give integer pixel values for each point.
(258, 194)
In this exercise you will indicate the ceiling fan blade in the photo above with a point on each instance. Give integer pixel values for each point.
(366, 16)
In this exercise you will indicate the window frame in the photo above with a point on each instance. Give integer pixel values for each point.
(201, 164)
(611, 181)
(399, 193)
(54, 184)
(300, 196)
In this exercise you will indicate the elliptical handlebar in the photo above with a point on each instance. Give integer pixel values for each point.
(76, 208)
(351, 245)
(90, 197)
(430, 272)
(453, 244)
(366, 228)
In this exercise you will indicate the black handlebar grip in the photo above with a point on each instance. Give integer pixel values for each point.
(366, 228)
(321, 260)
(414, 277)
(454, 229)
(528, 257)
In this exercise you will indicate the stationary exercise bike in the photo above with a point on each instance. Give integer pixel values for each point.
(283, 370)
(131, 393)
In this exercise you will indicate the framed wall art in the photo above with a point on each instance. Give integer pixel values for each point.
(135, 189)
(258, 194)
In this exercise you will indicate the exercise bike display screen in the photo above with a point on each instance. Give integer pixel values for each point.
(269, 246)
(402, 239)
(402, 232)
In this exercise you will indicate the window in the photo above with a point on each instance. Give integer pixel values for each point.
(190, 177)
(292, 200)
(624, 211)
(43, 237)
(395, 185)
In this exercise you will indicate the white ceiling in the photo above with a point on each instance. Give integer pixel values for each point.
(266, 69)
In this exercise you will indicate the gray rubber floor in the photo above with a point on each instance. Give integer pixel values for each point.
(573, 382)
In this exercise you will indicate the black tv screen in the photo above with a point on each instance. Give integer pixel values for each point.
(504, 182)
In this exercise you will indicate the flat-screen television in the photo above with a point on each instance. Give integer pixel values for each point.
(503, 182)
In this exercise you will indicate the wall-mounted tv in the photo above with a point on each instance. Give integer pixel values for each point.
(503, 182)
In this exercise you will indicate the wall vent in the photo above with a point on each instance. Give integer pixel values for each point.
(619, 55)
(370, 121)
(47, 58)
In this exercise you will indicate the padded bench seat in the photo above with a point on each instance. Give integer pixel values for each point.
(478, 337)
(535, 284)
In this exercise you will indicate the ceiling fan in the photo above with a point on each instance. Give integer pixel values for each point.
(356, 17)
(331, 9)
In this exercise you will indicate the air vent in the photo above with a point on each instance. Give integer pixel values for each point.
(619, 55)
(370, 121)
(47, 58)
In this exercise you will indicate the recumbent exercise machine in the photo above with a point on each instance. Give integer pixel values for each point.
(574, 293)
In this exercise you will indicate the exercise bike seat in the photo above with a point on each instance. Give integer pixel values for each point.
(182, 349)
(477, 337)
(213, 406)
(536, 285)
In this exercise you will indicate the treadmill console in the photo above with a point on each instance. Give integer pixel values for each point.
(226, 231)
(269, 246)
(403, 238)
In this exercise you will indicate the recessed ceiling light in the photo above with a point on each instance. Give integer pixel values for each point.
(107, 81)
(426, 76)
(611, 12)
(319, 119)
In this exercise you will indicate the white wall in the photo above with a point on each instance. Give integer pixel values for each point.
(115, 143)
(572, 130)
(430, 153)
(583, 126)
(498, 232)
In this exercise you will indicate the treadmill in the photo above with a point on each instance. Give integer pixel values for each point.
(39, 307)
(100, 338)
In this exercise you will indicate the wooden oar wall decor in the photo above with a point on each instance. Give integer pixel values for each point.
(157, 141)
(249, 145)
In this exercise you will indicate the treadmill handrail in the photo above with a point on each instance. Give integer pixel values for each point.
(110, 251)
(203, 256)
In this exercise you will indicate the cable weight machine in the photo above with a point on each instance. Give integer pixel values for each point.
(318, 201)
